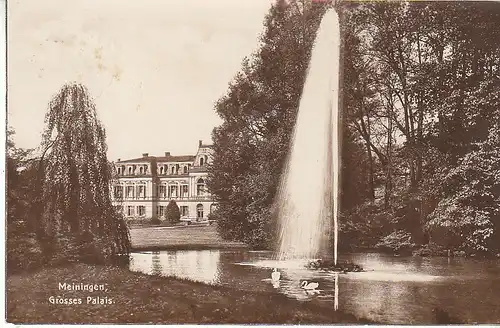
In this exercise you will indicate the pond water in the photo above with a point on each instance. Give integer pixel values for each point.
(393, 290)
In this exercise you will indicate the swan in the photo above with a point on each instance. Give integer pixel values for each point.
(276, 275)
(309, 286)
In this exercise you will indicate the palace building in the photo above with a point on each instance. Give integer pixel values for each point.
(146, 185)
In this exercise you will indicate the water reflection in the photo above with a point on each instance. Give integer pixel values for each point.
(293, 275)
(398, 290)
(336, 292)
(202, 266)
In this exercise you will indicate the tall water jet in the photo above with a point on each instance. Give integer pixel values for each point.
(308, 194)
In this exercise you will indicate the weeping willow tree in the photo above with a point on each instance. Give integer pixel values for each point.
(74, 200)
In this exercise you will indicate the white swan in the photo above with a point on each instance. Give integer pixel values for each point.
(276, 275)
(309, 286)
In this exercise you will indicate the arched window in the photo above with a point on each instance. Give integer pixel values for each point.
(141, 170)
(206, 159)
(199, 211)
(177, 167)
(173, 170)
(201, 161)
(130, 170)
(161, 170)
(200, 187)
(185, 169)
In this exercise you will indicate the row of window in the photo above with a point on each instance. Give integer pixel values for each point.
(143, 169)
(162, 191)
(173, 169)
(161, 210)
(184, 210)
(141, 210)
(162, 170)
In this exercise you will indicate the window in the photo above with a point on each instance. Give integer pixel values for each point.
(184, 210)
(184, 191)
(200, 187)
(161, 211)
(130, 170)
(162, 169)
(199, 211)
(201, 161)
(172, 191)
(141, 170)
(130, 191)
(163, 191)
(118, 192)
(185, 169)
(141, 210)
(130, 211)
(172, 170)
(141, 191)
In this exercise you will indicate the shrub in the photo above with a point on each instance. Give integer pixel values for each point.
(84, 247)
(398, 241)
(155, 221)
(431, 249)
(23, 253)
(173, 215)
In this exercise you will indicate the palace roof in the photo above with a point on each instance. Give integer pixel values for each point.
(149, 159)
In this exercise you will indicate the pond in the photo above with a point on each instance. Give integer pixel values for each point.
(397, 290)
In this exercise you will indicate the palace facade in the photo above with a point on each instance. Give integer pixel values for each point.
(146, 185)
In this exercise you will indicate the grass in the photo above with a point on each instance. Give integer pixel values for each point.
(138, 298)
(179, 237)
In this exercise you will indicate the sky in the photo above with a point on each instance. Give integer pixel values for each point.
(154, 67)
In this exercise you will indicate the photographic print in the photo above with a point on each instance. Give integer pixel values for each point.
(252, 162)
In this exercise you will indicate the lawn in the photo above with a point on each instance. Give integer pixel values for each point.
(179, 237)
(138, 298)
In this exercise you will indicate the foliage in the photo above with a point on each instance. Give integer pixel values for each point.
(420, 95)
(155, 221)
(172, 214)
(469, 212)
(22, 248)
(258, 112)
(398, 241)
(23, 251)
(432, 249)
(423, 95)
(72, 182)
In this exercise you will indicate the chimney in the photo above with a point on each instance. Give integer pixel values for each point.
(145, 155)
(200, 144)
(167, 153)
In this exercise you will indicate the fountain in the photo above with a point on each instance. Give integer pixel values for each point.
(308, 197)
(308, 194)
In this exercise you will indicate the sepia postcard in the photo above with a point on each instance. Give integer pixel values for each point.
(311, 162)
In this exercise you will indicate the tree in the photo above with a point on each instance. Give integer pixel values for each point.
(467, 216)
(418, 74)
(258, 113)
(73, 203)
(23, 251)
(172, 214)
